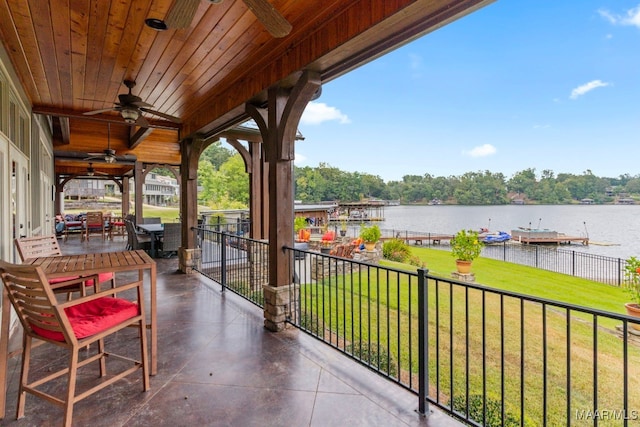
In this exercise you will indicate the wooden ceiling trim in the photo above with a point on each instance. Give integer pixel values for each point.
(173, 64)
(21, 42)
(79, 28)
(106, 117)
(282, 63)
(54, 37)
(97, 29)
(229, 46)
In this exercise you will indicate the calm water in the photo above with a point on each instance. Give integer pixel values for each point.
(613, 230)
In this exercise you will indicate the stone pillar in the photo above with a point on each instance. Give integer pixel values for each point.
(189, 260)
(279, 301)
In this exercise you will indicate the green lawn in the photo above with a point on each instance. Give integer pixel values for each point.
(518, 342)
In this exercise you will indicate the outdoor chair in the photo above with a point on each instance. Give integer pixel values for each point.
(171, 239)
(72, 325)
(116, 227)
(41, 246)
(94, 224)
(137, 240)
(72, 226)
(152, 220)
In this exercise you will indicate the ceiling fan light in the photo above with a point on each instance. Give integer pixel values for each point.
(129, 115)
(109, 159)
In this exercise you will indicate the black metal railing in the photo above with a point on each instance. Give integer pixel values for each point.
(599, 268)
(488, 357)
(485, 356)
(238, 263)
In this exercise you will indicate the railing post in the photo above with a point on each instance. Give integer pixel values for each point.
(423, 342)
(223, 260)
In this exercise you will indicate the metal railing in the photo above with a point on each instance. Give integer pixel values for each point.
(599, 268)
(484, 356)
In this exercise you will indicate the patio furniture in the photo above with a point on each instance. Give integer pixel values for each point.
(117, 227)
(136, 240)
(71, 325)
(154, 232)
(152, 220)
(95, 224)
(72, 225)
(171, 239)
(33, 247)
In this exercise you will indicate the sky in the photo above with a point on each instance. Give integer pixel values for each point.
(519, 84)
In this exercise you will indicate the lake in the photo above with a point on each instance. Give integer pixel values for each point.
(613, 230)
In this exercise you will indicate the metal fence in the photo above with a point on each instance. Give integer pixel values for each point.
(484, 356)
(598, 268)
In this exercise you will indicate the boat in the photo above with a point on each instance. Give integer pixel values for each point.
(495, 237)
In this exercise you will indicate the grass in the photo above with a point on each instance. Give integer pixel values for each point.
(488, 340)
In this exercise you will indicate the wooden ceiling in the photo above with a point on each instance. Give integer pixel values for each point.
(72, 57)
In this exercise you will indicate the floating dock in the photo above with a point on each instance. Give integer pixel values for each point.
(545, 236)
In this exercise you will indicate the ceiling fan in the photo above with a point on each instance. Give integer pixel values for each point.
(131, 107)
(182, 11)
(108, 155)
(91, 171)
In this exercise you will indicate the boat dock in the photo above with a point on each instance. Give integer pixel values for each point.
(544, 236)
(419, 240)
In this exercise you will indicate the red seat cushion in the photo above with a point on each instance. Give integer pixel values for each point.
(93, 317)
(102, 277)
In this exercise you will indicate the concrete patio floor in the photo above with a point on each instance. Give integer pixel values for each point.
(218, 366)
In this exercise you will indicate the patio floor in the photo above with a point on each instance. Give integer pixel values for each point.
(218, 366)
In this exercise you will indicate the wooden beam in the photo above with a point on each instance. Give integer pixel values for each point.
(64, 130)
(137, 136)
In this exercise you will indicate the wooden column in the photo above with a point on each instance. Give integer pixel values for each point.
(190, 150)
(278, 126)
(139, 181)
(126, 207)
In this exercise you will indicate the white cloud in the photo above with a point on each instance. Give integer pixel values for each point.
(631, 17)
(587, 87)
(300, 159)
(481, 151)
(318, 112)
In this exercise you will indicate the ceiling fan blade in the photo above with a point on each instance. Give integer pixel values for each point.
(181, 13)
(141, 104)
(163, 115)
(104, 110)
(272, 20)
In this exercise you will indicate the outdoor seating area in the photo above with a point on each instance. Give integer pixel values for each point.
(209, 372)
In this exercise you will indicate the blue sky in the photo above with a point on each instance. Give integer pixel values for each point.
(518, 84)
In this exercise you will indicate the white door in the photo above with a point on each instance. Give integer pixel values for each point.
(5, 206)
(19, 194)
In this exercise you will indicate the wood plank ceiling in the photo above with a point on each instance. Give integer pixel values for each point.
(72, 56)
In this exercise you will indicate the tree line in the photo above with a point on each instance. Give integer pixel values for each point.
(224, 184)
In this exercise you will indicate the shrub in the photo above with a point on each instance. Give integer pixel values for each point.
(493, 411)
(466, 245)
(368, 353)
(370, 234)
(395, 250)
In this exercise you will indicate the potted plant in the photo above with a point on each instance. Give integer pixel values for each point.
(370, 235)
(343, 227)
(631, 285)
(465, 247)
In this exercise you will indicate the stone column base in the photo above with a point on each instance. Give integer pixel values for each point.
(188, 259)
(278, 303)
(470, 277)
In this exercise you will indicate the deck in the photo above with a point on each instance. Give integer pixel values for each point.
(219, 366)
(419, 240)
(561, 239)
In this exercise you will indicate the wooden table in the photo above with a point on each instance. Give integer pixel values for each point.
(155, 231)
(85, 265)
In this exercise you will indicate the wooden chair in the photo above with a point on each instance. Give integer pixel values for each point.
(117, 227)
(72, 325)
(94, 224)
(72, 226)
(39, 246)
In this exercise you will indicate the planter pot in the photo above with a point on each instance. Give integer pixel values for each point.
(633, 310)
(464, 267)
(370, 246)
(325, 250)
(343, 233)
